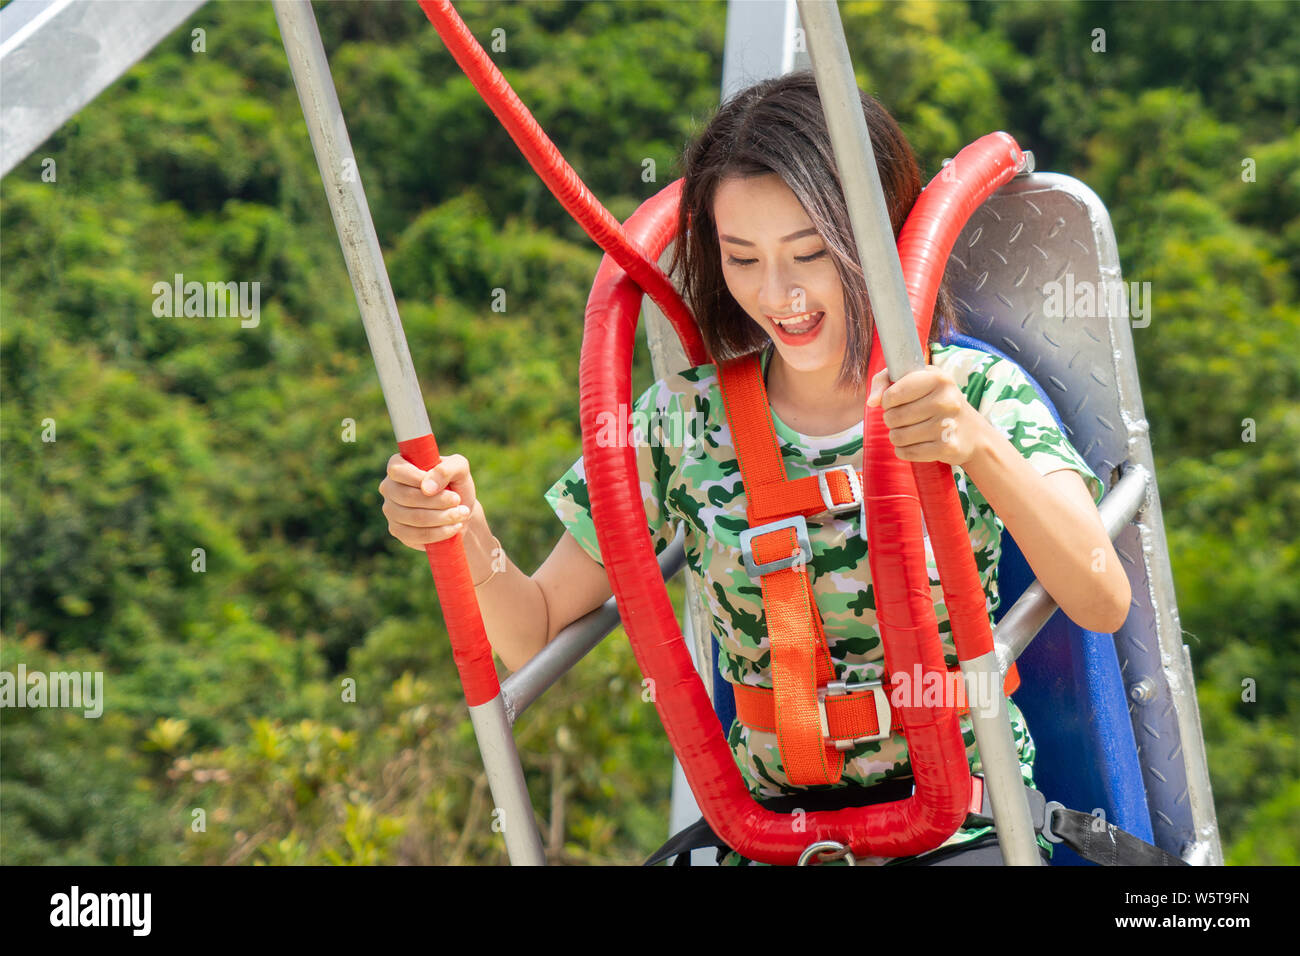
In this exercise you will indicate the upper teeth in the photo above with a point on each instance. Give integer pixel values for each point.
(797, 320)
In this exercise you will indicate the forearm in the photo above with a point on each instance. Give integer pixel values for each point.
(513, 606)
(1062, 538)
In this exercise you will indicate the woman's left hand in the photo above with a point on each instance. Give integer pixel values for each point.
(928, 417)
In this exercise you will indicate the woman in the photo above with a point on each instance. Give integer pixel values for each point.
(769, 263)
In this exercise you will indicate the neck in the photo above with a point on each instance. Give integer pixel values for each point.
(811, 399)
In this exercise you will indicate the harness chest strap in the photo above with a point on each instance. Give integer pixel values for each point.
(814, 717)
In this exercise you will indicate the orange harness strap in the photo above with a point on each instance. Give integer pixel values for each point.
(777, 552)
(815, 717)
(852, 715)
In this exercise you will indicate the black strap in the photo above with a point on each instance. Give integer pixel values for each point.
(1087, 835)
(699, 834)
(1099, 842)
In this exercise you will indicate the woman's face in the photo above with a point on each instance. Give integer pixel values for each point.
(777, 266)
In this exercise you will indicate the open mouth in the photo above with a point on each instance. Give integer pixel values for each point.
(799, 327)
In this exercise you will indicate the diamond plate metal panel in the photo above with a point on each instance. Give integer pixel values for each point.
(1037, 272)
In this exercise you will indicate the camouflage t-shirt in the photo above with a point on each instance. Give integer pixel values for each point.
(689, 473)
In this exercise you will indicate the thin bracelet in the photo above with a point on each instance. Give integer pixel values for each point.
(498, 570)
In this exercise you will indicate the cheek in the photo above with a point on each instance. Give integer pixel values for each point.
(736, 288)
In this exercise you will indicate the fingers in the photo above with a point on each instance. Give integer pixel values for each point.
(908, 435)
(424, 517)
(922, 451)
(417, 538)
(913, 413)
(914, 385)
(451, 470)
(878, 386)
(403, 472)
(418, 526)
(415, 498)
(888, 394)
(421, 507)
(454, 469)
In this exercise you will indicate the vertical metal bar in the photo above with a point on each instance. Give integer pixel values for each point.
(759, 44)
(347, 200)
(872, 230)
(356, 230)
(1000, 761)
(887, 288)
(1161, 761)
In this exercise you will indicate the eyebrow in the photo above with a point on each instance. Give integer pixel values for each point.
(794, 235)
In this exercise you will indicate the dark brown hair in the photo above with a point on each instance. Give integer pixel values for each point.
(777, 126)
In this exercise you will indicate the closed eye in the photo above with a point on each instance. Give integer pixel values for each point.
(749, 262)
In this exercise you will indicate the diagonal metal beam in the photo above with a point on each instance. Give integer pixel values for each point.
(397, 378)
(901, 346)
(58, 55)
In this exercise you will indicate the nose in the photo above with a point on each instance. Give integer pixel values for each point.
(778, 294)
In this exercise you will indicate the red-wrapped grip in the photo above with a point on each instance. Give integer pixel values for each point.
(933, 225)
(469, 644)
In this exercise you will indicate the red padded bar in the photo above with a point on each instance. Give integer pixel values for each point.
(469, 644)
(558, 175)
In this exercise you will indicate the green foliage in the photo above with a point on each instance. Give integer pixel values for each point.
(293, 680)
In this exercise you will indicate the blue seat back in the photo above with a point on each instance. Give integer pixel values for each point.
(1072, 695)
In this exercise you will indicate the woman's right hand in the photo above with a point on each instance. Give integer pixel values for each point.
(423, 507)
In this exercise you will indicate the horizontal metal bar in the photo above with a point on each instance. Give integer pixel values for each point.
(1034, 609)
(572, 644)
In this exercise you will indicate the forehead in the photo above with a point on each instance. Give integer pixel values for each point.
(760, 208)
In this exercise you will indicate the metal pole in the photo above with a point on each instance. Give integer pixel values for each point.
(569, 646)
(901, 346)
(1035, 606)
(356, 230)
(855, 158)
(58, 55)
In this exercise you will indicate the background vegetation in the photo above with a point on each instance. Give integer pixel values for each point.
(224, 687)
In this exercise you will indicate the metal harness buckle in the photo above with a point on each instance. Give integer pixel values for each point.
(884, 717)
(824, 487)
(803, 556)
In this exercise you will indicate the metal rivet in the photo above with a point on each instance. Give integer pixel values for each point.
(1143, 692)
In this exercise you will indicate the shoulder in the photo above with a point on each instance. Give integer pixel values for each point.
(983, 377)
(699, 379)
(690, 390)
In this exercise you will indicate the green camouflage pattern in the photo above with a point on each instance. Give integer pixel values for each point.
(689, 473)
